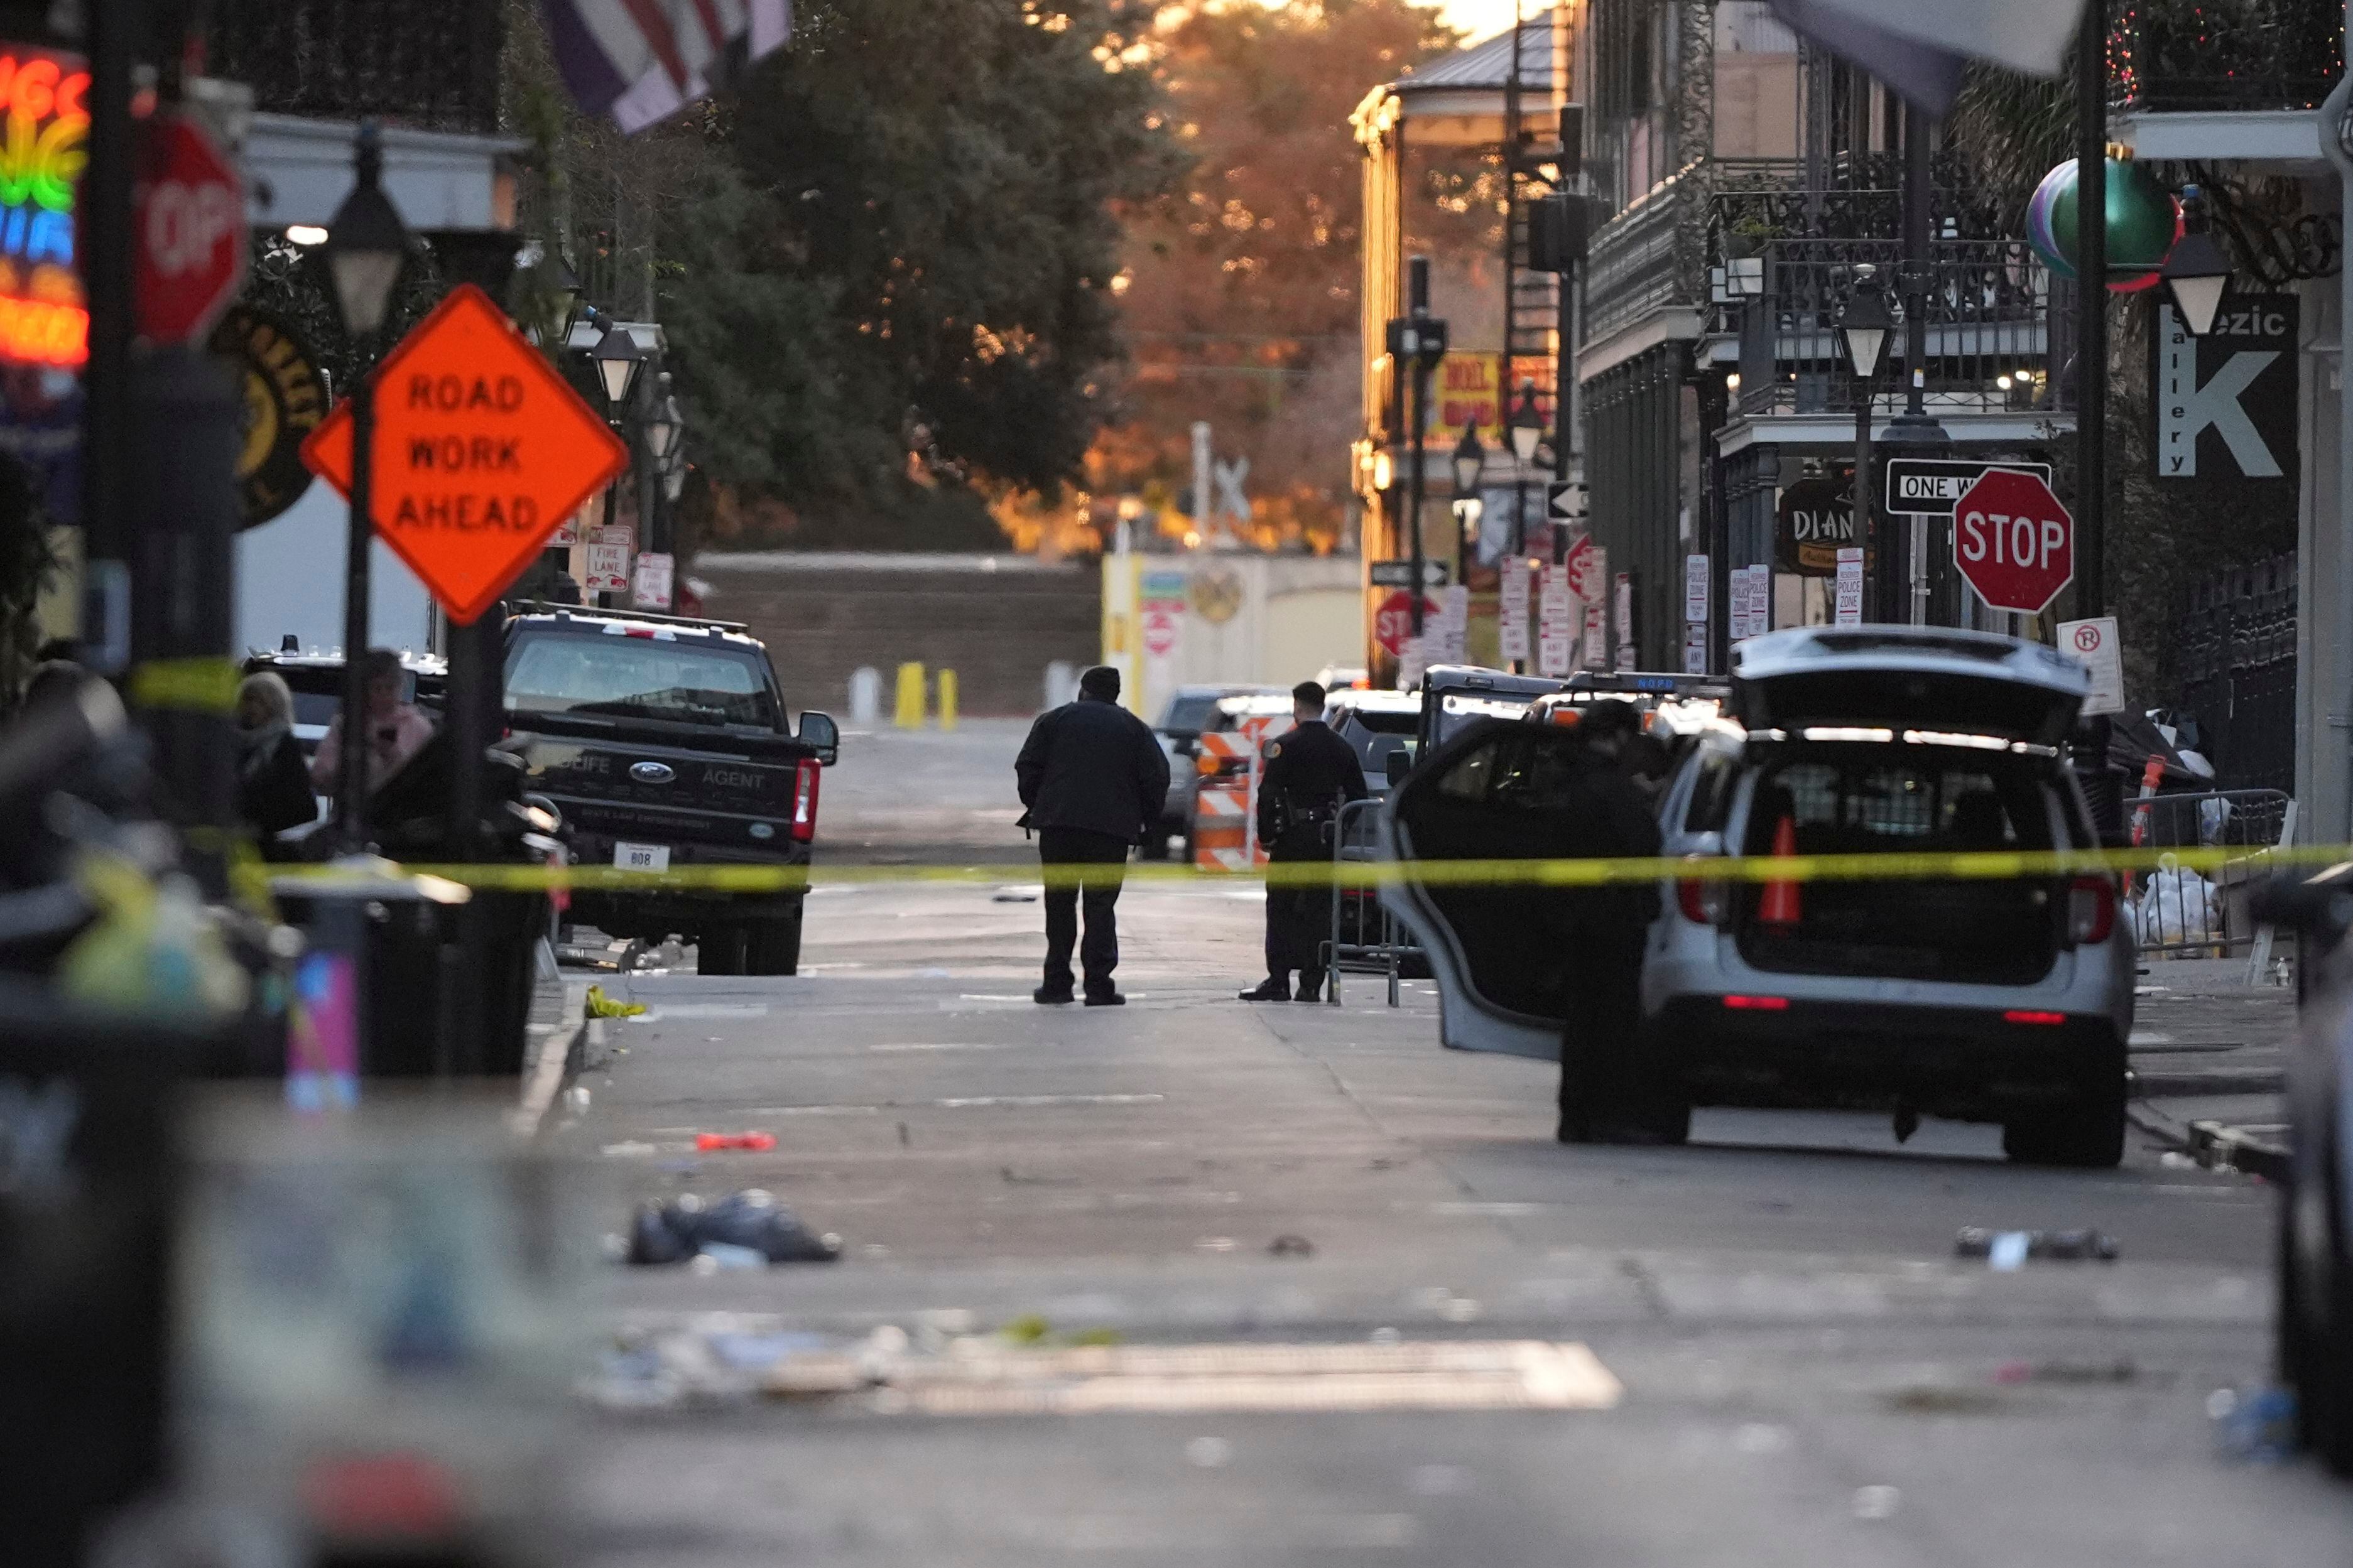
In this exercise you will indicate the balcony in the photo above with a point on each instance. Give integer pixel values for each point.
(430, 64)
(1994, 312)
(2210, 57)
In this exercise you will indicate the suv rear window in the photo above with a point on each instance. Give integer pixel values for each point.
(1188, 715)
(640, 678)
(1384, 720)
(1870, 802)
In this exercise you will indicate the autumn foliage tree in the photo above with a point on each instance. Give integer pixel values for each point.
(1239, 293)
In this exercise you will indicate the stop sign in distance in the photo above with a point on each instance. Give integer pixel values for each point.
(2013, 541)
(1393, 619)
(187, 232)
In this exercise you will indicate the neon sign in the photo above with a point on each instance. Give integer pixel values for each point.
(44, 130)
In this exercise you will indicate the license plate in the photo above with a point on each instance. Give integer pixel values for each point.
(641, 857)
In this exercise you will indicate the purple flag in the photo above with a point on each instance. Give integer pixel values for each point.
(643, 60)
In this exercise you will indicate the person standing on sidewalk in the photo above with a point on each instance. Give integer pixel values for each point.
(1093, 779)
(1310, 774)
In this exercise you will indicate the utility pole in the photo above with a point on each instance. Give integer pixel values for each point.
(2091, 313)
(2324, 771)
(103, 217)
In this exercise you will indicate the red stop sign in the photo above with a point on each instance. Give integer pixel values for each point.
(187, 232)
(2013, 541)
(1393, 619)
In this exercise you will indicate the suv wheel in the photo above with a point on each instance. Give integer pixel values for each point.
(2085, 1132)
(719, 950)
(773, 946)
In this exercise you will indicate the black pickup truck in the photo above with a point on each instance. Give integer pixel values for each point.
(664, 743)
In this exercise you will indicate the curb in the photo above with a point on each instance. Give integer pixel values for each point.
(2188, 1083)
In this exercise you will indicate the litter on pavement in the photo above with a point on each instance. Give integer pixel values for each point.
(756, 1143)
(744, 1229)
(2257, 1424)
(603, 1006)
(2007, 1249)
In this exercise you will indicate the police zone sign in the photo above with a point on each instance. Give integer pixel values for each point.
(2226, 402)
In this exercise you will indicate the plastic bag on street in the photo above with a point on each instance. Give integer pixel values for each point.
(2176, 906)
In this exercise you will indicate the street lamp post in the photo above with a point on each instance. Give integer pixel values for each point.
(1863, 327)
(1528, 434)
(619, 358)
(1470, 460)
(365, 249)
(2196, 275)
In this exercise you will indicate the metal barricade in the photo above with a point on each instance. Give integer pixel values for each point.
(2178, 912)
(1358, 912)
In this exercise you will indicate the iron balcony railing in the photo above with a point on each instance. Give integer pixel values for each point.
(427, 63)
(2212, 55)
(1994, 313)
(1647, 259)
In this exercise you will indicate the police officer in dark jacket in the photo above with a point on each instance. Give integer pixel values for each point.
(1310, 774)
(1613, 1089)
(1095, 779)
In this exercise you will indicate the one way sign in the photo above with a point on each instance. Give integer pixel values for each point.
(2226, 402)
(1565, 500)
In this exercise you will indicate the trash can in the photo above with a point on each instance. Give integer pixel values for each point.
(90, 1170)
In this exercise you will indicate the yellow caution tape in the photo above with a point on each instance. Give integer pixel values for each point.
(1970, 866)
(195, 685)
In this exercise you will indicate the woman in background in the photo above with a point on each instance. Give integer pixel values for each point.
(273, 782)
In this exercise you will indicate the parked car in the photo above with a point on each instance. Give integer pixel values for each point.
(1375, 724)
(1190, 710)
(2316, 1228)
(665, 743)
(2005, 1001)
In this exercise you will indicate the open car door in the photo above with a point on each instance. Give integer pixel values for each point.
(1503, 957)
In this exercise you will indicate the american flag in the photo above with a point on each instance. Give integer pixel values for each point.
(641, 60)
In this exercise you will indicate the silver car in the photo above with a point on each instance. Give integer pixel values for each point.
(1983, 1000)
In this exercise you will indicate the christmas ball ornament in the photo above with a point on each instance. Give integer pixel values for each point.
(2144, 221)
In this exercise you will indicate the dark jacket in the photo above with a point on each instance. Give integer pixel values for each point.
(1094, 767)
(1309, 770)
(273, 786)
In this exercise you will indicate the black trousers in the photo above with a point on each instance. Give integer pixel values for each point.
(1298, 924)
(1600, 1047)
(1098, 888)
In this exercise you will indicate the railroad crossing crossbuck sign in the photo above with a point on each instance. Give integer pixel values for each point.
(480, 452)
(2013, 542)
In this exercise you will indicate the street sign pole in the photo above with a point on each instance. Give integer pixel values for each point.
(351, 793)
(1418, 273)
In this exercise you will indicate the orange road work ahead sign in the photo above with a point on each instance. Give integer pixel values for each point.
(480, 451)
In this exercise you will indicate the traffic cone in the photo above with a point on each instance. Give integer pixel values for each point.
(1780, 906)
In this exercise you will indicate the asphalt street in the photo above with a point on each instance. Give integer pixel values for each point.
(1794, 1367)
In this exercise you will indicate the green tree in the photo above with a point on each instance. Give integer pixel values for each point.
(886, 277)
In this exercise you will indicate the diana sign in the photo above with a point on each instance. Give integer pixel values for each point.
(1816, 521)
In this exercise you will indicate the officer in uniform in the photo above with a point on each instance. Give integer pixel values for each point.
(1309, 772)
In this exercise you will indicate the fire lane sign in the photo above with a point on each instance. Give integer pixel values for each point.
(480, 452)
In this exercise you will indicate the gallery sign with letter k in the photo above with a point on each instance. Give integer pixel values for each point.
(2238, 382)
